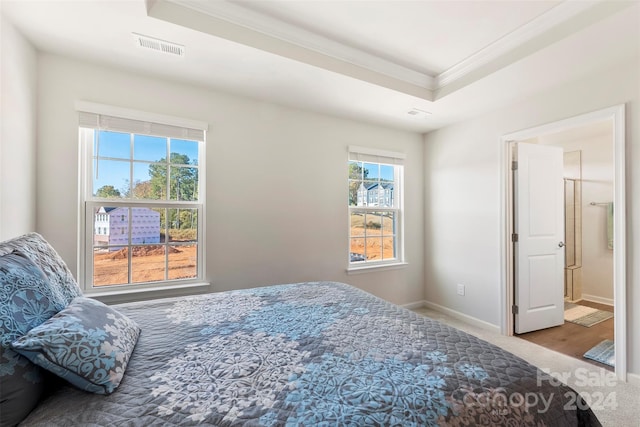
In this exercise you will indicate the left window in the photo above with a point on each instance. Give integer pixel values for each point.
(142, 187)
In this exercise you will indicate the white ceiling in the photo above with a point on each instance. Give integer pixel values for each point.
(428, 37)
(371, 60)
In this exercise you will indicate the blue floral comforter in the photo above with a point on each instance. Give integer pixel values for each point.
(318, 353)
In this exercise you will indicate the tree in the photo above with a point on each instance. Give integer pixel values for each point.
(143, 190)
(182, 185)
(183, 181)
(108, 192)
(357, 174)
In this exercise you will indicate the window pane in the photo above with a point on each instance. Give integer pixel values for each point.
(183, 261)
(385, 194)
(371, 171)
(112, 144)
(389, 247)
(355, 170)
(374, 224)
(367, 193)
(110, 178)
(386, 173)
(110, 237)
(184, 152)
(145, 190)
(101, 228)
(353, 192)
(357, 250)
(388, 223)
(374, 248)
(145, 226)
(148, 263)
(183, 225)
(149, 148)
(111, 227)
(110, 266)
(150, 181)
(357, 194)
(357, 224)
(184, 183)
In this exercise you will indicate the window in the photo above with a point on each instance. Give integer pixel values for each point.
(141, 188)
(375, 207)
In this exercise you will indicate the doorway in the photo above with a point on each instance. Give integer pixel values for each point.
(577, 289)
(587, 312)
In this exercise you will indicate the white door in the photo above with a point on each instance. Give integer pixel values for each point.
(539, 225)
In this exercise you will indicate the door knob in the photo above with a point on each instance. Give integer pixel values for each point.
(561, 244)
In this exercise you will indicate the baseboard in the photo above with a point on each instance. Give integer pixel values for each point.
(633, 379)
(599, 300)
(413, 305)
(461, 316)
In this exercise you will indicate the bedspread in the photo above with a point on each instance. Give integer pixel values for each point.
(316, 353)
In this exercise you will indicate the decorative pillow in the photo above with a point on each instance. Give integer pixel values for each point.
(34, 247)
(88, 344)
(21, 386)
(26, 301)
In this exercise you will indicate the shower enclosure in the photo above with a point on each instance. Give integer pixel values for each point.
(573, 226)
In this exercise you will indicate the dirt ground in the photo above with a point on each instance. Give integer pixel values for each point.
(376, 248)
(147, 265)
(374, 226)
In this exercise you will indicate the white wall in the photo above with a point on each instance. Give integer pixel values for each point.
(276, 179)
(597, 186)
(463, 184)
(18, 134)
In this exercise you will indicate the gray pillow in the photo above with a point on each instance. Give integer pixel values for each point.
(88, 344)
(34, 247)
(26, 301)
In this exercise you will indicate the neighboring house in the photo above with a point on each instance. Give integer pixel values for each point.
(377, 194)
(112, 225)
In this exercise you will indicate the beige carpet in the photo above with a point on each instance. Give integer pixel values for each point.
(626, 395)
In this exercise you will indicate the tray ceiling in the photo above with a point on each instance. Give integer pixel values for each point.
(361, 59)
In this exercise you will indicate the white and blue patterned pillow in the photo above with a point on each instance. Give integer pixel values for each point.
(34, 247)
(88, 344)
(26, 301)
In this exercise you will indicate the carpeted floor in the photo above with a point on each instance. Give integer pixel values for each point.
(584, 377)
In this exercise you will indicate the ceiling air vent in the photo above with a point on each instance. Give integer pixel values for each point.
(416, 112)
(158, 45)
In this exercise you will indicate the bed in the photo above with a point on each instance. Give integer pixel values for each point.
(314, 353)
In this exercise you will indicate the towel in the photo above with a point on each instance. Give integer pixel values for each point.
(610, 225)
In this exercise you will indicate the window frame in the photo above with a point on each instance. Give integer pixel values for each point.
(88, 203)
(388, 158)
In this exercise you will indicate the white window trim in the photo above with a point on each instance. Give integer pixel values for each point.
(374, 155)
(138, 294)
(382, 266)
(85, 227)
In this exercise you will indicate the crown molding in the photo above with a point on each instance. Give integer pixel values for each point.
(263, 31)
(246, 17)
(534, 28)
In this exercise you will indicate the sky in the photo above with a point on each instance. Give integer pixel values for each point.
(146, 149)
(384, 172)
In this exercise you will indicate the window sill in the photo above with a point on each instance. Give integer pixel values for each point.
(140, 294)
(378, 267)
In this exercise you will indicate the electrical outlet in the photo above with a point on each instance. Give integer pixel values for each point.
(460, 289)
